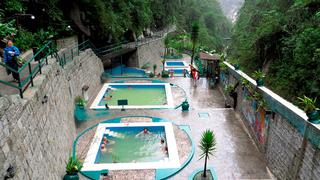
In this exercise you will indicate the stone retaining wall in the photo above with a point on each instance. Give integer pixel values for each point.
(36, 132)
(150, 53)
(289, 142)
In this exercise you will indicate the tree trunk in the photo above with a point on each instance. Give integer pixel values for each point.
(193, 49)
(205, 166)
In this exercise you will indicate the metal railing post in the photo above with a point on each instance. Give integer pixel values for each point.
(39, 64)
(20, 88)
(71, 54)
(31, 77)
(64, 59)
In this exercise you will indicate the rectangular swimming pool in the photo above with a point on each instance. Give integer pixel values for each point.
(132, 146)
(176, 64)
(139, 95)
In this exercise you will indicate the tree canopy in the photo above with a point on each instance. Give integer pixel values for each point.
(282, 38)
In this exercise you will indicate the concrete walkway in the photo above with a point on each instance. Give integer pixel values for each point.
(236, 156)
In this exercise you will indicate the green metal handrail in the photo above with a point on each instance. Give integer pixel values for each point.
(64, 57)
(33, 71)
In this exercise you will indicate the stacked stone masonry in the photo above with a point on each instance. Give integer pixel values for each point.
(37, 134)
(288, 153)
(150, 53)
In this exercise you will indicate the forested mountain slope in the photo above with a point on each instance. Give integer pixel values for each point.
(283, 39)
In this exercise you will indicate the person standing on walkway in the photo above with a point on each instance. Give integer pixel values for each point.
(11, 53)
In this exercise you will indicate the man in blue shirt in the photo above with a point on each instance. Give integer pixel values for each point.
(10, 58)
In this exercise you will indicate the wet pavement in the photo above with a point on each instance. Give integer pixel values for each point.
(236, 156)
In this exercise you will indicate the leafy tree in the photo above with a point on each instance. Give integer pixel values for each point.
(280, 37)
(194, 38)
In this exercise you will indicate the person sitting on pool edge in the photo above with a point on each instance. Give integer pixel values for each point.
(144, 132)
(164, 146)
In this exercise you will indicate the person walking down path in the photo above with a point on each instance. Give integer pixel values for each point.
(11, 53)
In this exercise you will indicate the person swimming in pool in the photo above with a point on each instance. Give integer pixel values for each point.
(145, 131)
(103, 148)
(107, 141)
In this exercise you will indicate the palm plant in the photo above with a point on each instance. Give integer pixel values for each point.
(154, 69)
(207, 147)
(194, 38)
(258, 74)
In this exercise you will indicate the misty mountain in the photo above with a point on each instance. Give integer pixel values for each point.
(231, 8)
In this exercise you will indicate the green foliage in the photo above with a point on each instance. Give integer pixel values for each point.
(54, 11)
(151, 75)
(258, 74)
(20, 61)
(12, 6)
(80, 101)
(165, 74)
(6, 29)
(212, 25)
(308, 104)
(154, 69)
(74, 165)
(207, 146)
(230, 88)
(194, 38)
(146, 66)
(24, 40)
(281, 37)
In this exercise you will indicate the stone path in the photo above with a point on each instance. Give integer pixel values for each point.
(236, 156)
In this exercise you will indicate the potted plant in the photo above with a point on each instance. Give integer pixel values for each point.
(310, 108)
(73, 166)
(261, 103)
(207, 147)
(80, 102)
(165, 74)
(151, 75)
(235, 64)
(259, 76)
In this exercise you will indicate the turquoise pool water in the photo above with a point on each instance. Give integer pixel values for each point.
(172, 63)
(137, 95)
(126, 145)
(122, 71)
